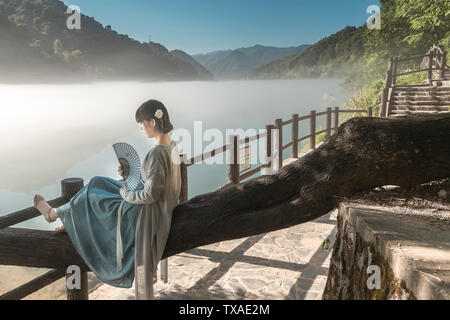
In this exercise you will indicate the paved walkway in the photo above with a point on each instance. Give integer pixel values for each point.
(290, 263)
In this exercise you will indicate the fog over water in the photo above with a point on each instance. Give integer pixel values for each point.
(51, 132)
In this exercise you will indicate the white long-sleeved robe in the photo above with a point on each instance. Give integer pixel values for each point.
(160, 172)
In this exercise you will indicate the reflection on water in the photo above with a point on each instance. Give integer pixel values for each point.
(51, 132)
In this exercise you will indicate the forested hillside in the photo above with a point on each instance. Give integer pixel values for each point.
(329, 57)
(37, 45)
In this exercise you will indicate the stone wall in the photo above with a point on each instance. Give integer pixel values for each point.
(411, 250)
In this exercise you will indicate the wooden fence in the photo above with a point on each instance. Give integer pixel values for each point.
(434, 59)
(17, 246)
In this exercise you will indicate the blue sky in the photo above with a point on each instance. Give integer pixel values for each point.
(200, 26)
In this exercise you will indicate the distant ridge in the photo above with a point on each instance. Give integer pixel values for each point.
(183, 56)
(331, 57)
(232, 64)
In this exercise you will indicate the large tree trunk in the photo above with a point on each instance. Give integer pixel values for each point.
(364, 153)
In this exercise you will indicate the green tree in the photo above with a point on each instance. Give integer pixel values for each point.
(3, 14)
(429, 20)
(58, 48)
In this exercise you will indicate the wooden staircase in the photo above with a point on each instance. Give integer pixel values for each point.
(444, 77)
(429, 98)
(422, 99)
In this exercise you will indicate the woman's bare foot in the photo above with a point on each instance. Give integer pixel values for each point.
(44, 208)
(60, 229)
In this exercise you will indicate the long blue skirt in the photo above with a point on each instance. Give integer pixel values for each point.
(90, 220)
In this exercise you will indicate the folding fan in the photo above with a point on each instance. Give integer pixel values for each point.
(129, 160)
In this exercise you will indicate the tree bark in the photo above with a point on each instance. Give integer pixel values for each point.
(363, 154)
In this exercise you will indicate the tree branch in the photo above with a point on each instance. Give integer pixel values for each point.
(363, 154)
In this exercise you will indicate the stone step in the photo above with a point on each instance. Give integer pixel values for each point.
(422, 89)
(434, 102)
(422, 103)
(422, 98)
(411, 94)
(422, 93)
(419, 87)
(421, 108)
(418, 112)
(430, 106)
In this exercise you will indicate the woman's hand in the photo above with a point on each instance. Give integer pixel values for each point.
(120, 170)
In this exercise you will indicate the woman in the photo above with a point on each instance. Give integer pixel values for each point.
(102, 208)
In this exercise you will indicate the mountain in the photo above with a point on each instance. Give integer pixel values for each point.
(183, 56)
(36, 45)
(360, 54)
(329, 57)
(229, 64)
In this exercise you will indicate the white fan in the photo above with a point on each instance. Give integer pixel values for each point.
(129, 159)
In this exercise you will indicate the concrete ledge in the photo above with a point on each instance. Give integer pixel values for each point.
(411, 248)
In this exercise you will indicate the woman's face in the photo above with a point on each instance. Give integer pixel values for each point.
(149, 127)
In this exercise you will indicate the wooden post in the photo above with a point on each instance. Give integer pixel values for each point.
(184, 178)
(336, 118)
(312, 130)
(328, 134)
(233, 165)
(443, 64)
(387, 85)
(389, 73)
(394, 71)
(82, 293)
(430, 67)
(369, 112)
(384, 95)
(269, 128)
(279, 126)
(69, 188)
(294, 136)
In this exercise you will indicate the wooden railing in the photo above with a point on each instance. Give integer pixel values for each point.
(18, 246)
(434, 59)
(69, 187)
(234, 174)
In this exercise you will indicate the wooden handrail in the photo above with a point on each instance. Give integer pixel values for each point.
(412, 57)
(437, 60)
(28, 213)
(34, 285)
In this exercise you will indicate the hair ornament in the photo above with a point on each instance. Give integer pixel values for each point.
(159, 114)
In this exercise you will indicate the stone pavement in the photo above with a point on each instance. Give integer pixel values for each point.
(291, 263)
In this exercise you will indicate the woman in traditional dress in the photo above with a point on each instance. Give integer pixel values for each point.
(119, 233)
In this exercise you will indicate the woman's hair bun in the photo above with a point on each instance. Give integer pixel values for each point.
(147, 112)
